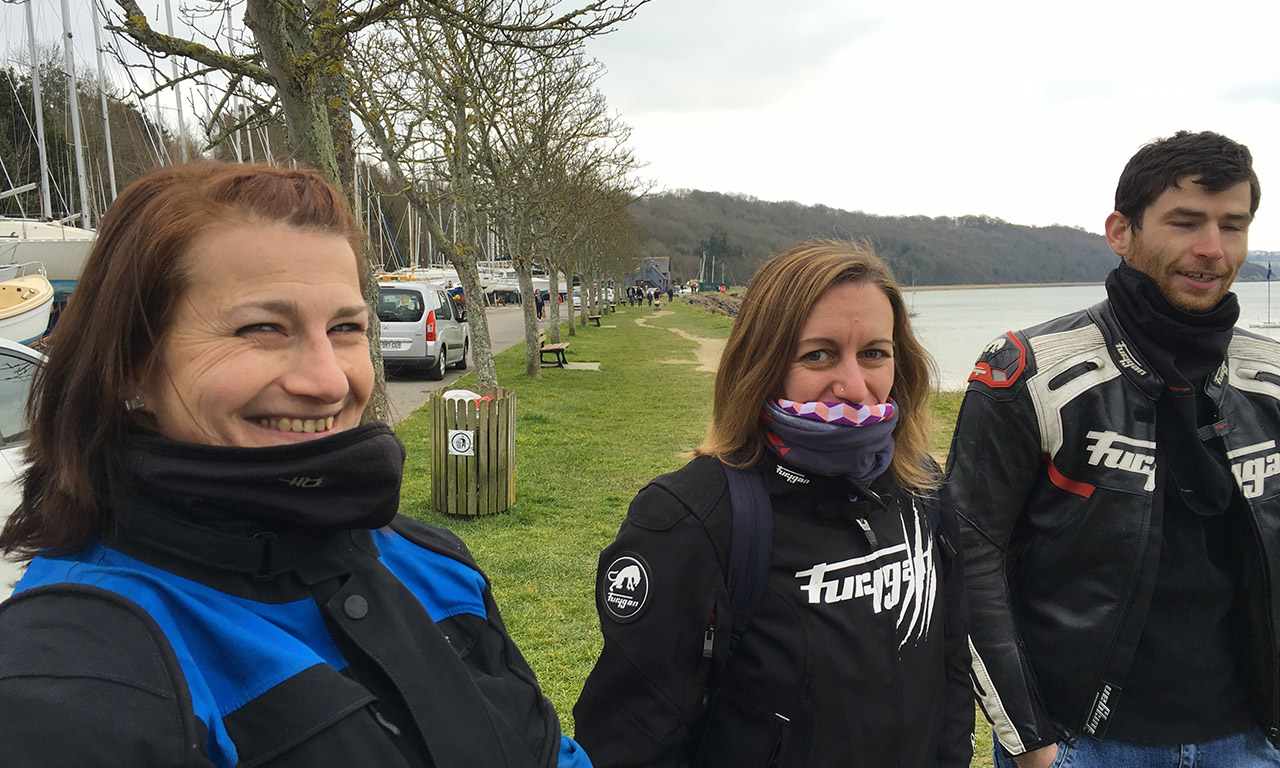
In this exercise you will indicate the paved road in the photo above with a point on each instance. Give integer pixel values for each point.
(409, 390)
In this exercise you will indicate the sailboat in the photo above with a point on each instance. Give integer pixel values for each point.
(62, 249)
(26, 300)
(59, 249)
(1269, 323)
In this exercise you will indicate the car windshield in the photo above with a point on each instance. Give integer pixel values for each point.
(15, 384)
(399, 305)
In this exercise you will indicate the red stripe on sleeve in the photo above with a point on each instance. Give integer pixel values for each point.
(1067, 484)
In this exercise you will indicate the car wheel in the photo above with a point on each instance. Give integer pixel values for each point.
(436, 372)
(461, 365)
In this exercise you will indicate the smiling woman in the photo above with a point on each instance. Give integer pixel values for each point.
(789, 597)
(212, 533)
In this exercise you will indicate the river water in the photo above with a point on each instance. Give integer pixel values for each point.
(954, 325)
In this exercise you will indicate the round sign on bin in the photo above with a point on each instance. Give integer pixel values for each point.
(462, 442)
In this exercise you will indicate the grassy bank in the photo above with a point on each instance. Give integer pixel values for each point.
(586, 442)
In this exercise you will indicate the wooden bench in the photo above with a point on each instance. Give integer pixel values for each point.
(545, 349)
(595, 319)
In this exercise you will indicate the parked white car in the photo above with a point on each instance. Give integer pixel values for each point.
(18, 364)
(422, 327)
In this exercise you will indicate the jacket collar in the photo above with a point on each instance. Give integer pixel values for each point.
(1127, 357)
(1124, 352)
(828, 497)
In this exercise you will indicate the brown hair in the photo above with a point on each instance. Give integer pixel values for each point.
(106, 341)
(755, 361)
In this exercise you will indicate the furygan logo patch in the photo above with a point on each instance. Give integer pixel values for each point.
(625, 588)
(1109, 450)
(792, 477)
(1127, 360)
(899, 578)
(1220, 375)
(1252, 473)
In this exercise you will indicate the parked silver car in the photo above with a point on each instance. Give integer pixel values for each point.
(422, 327)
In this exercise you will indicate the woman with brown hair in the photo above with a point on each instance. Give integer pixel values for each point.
(218, 575)
(850, 649)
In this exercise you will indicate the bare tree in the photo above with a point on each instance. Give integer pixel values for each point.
(296, 60)
(486, 123)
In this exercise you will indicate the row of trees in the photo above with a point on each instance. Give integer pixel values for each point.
(483, 115)
(740, 232)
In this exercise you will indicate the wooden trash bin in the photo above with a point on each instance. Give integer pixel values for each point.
(473, 453)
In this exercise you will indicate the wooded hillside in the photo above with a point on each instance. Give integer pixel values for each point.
(741, 232)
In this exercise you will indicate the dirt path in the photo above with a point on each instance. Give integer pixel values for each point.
(708, 352)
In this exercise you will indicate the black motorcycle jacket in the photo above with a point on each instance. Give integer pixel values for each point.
(855, 655)
(1054, 474)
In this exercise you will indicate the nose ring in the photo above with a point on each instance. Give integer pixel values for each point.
(842, 389)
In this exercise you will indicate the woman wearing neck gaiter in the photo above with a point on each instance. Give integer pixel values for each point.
(851, 649)
(218, 576)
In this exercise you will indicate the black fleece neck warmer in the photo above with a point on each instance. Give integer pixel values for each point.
(348, 480)
(1184, 348)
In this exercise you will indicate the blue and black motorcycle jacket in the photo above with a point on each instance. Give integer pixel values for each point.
(181, 642)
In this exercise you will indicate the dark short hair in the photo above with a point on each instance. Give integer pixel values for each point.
(1211, 160)
(106, 341)
(757, 355)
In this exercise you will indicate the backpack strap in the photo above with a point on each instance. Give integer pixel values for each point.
(750, 548)
(933, 511)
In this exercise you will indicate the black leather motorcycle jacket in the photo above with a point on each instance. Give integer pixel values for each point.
(1053, 471)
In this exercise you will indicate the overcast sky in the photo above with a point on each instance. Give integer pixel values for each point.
(1022, 110)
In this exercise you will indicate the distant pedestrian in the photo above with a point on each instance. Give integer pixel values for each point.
(538, 303)
(669, 294)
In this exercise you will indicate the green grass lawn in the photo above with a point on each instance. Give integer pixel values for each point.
(586, 442)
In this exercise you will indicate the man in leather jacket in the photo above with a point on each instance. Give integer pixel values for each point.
(1112, 473)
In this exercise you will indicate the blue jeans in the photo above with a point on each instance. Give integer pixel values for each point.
(1247, 749)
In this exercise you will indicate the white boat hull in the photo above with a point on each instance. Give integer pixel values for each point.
(62, 249)
(29, 325)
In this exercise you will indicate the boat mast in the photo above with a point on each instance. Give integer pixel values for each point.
(102, 93)
(75, 117)
(46, 203)
(177, 87)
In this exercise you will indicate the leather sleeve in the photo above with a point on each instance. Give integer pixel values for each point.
(643, 699)
(87, 680)
(994, 462)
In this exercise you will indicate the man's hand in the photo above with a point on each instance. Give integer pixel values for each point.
(1038, 758)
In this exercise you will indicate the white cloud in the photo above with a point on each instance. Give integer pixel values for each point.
(1019, 110)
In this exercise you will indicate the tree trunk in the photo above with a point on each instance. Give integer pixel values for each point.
(528, 307)
(288, 45)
